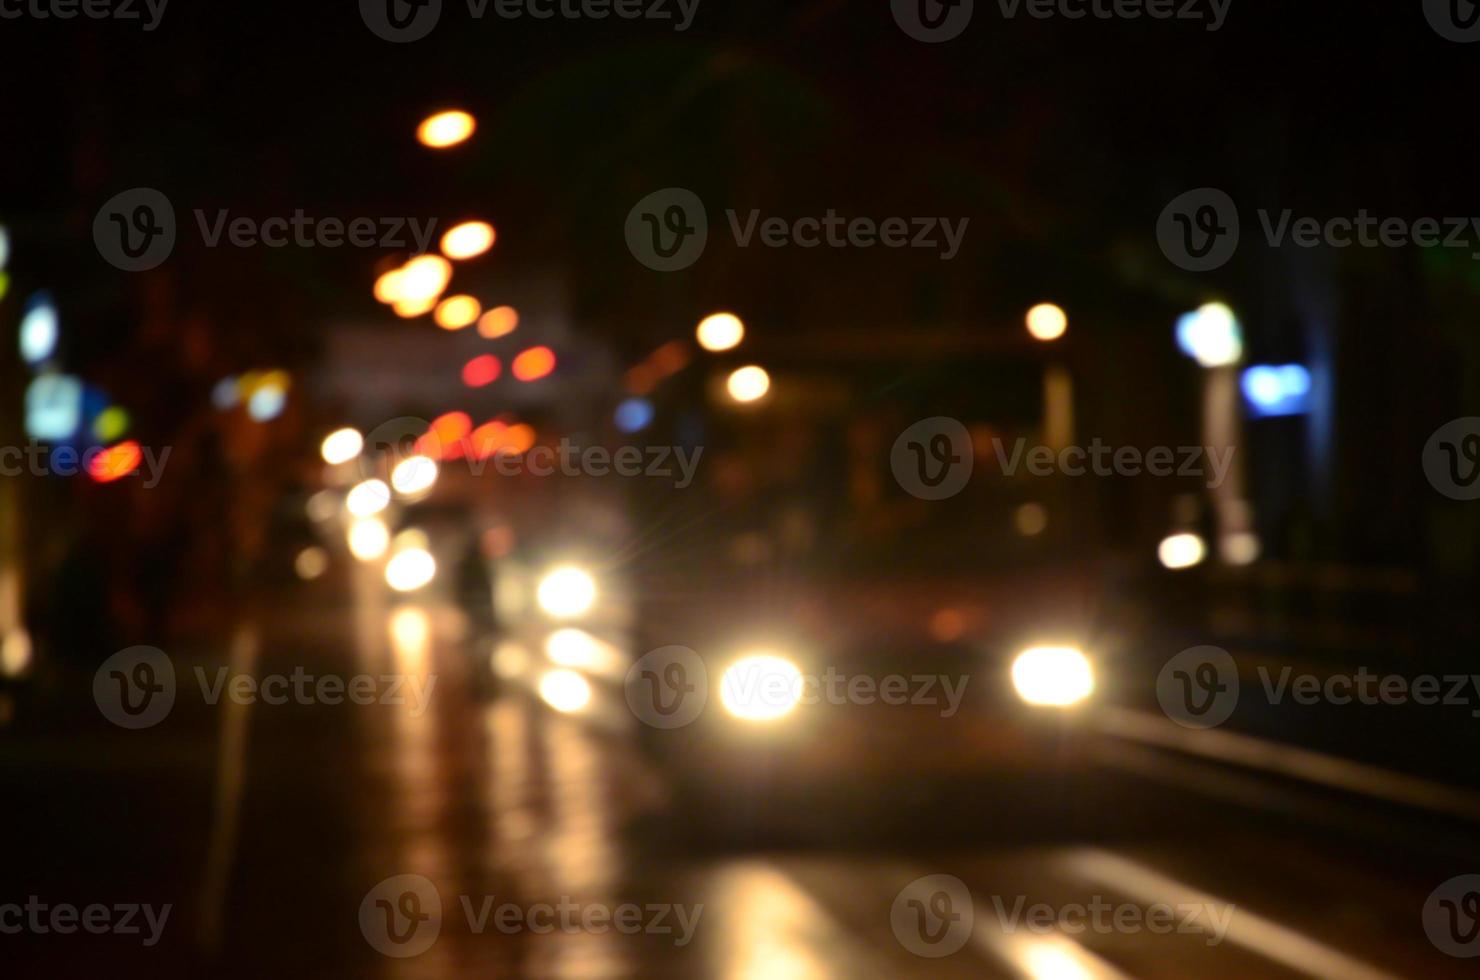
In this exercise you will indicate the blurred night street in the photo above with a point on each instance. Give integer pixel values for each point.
(792, 490)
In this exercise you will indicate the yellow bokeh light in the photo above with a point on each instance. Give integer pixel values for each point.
(720, 331)
(445, 129)
(1047, 322)
(467, 240)
(748, 384)
(457, 312)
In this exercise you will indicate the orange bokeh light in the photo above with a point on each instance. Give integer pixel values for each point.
(444, 439)
(499, 321)
(116, 462)
(468, 240)
(456, 312)
(534, 363)
(445, 129)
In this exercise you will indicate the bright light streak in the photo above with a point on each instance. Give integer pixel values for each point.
(498, 322)
(414, 474)
(457, 312)
(410, 570)
(367, 498)
(566, 592)
(468, 240)
(748, 384)
(720, 331)
(341, 446)
(1047, 322)
(368, 538)
(1053, 676)
(311, 562)
(565, 691)
(761, 687)
(445, 129)
(1181, 551)
(533, 364)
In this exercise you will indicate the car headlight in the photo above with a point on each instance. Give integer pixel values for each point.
(761, 687)
(566, 592)
(1053, 676)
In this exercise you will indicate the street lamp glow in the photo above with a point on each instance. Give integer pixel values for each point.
(367, 498)
(39, 330)
(566, 592)
(456, 312)
(1053, 676)
(445, 129)
(341, 446)
(368, 538)
(1047, 322)
(414, 474)
(761, 687)
(468, 240)
(720, 331)
(565, 690)
(410, 570)
(1211, 335)
(748, 384)
(1179, 551)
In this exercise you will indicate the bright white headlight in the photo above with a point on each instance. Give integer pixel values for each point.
(566, 592)
(1053, 676)
(761, 687)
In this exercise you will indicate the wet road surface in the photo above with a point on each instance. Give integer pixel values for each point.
(497, 837)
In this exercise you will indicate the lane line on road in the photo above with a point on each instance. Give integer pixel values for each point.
(1288, 760)
(1247, 929)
